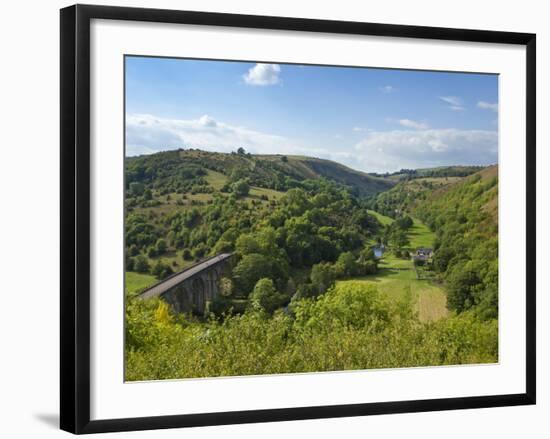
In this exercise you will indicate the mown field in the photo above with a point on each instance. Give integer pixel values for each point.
(384, 220)
(396, 277)
(135, 282)
(420, 235)
(429, 300)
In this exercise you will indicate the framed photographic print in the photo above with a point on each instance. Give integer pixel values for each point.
(268, 218)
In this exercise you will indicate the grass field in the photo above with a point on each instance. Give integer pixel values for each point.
(430, 299)
(136, 282)
(384, 220)
(420, 235)
(390, 261)
(256, 192)
(396, 276)
(216, 179)
(170, 257)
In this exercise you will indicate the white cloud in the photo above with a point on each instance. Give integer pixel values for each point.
(413, 124)
(358, 129)
(488, 106)
(377, 151)
(455, 103)
(387, 89)
(391, 150)
(452, 100)
(147, 134)
(263, 74)
(207, 121)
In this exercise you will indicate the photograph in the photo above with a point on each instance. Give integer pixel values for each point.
(296, 218)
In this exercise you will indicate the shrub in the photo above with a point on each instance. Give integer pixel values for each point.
(346, 265)
(323, 276)
(186, 254)
(141, 265)
(240, 188)
(161, 270)
(349, 327)
(266, 297)
(161, 246)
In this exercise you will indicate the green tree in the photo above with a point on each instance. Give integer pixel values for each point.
(296, 200)
(136, 188)
(323, 276)
(134, 250)
(442, 257)
(399, 238)
(161, 270)
(265, 296)
(404, 222)
(130, 263)
(364, 220)
(147, 194)
(249, 270)
(367, 254)
(461, 285)
(186, 254)
(161, 246)
(240, 188)
(141, 265)
(346, 265)
(247, 243)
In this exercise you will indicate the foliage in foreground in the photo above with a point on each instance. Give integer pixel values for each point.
(349, 327)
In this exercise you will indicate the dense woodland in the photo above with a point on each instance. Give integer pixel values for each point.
(302, 294)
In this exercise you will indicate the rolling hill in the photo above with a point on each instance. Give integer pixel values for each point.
(275, 172)
(435, 172)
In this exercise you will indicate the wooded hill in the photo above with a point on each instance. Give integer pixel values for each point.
(181, 171)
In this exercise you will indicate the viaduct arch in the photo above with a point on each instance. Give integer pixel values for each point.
(191, 289)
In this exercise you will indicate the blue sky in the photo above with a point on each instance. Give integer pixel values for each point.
(375, 120)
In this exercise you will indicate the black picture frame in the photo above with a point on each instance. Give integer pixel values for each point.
(75, 217)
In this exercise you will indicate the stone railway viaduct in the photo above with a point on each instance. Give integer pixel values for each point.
(191, 289)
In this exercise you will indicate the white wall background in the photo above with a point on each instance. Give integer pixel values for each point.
(29, 186)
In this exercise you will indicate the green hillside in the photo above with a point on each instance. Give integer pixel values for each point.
(437, 172)
(181, 171)
(464, 216)
(361, 183)
(407, 194)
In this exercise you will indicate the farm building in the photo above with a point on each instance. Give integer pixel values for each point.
(422, 255)
(424, 252)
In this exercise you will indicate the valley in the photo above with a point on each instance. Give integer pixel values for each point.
(305, 280)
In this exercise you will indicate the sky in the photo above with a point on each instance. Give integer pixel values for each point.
(373, 120)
